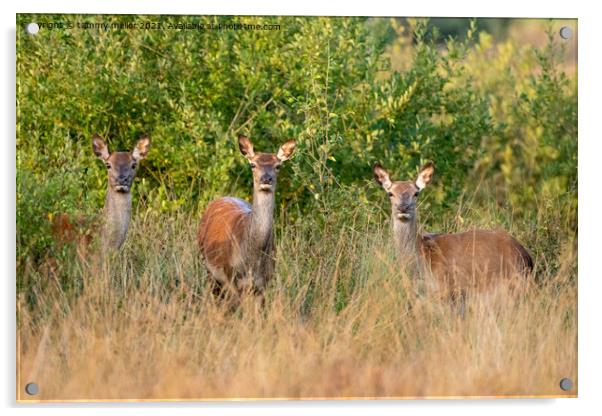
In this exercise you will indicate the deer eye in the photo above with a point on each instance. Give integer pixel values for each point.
(253, 165)
(134, 165)
(108, 165)
(416, 194)
(277, 167)
(390, 194)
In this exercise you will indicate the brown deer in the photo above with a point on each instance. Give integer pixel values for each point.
(235, 237)
(121, 168)
(475, 258)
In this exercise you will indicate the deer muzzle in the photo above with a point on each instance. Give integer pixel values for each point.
(122, 188)
(266, 182)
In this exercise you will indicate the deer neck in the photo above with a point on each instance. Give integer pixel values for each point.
(262, 218)
(405, 234)
(117, 212)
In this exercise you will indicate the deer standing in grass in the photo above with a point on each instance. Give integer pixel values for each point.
(121, 168)
(235, 237)
(476, 258)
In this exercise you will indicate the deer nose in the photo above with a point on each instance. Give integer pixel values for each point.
(266, 179)
(403, 207)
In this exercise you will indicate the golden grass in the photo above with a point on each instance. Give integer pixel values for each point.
(341, 320)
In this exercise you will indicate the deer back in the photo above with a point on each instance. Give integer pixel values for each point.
(475, 258)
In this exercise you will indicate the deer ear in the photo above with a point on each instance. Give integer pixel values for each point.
(246, 147)
(141, 149)
(286, 150)
(382, 177)
(100, 148)
(425, 176)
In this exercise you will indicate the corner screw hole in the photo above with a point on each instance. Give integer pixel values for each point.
(566, 32)
(32, 28)
(31, 389)
(566, 384)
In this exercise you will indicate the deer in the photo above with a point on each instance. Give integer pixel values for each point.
(456, 261)
(235, 237)
(111, 226)
(121, 170)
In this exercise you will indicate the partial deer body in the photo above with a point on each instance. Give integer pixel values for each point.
(121, 168)
(235, 237)
(73, 230)
(475, 258)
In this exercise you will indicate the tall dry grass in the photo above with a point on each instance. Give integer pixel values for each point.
(342, 319)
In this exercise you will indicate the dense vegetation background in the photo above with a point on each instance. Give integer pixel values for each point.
(498, 113)
(495, 109)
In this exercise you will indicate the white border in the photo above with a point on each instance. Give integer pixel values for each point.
(462, 8)
(590, 345)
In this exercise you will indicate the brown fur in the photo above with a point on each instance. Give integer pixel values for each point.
(221, 231)
(476, 258)
(76, 231)
(121, 170)
(235, 237)
(115, 219)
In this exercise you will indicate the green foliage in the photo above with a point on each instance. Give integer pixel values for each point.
(327, 82)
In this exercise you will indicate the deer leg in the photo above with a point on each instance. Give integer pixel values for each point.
(244, 281)
(217, 289)
(458, 301)
(220, 284)
(252, 282)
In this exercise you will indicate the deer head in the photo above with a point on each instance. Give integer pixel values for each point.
(121, 166)
(265, 166)
(404, 194)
